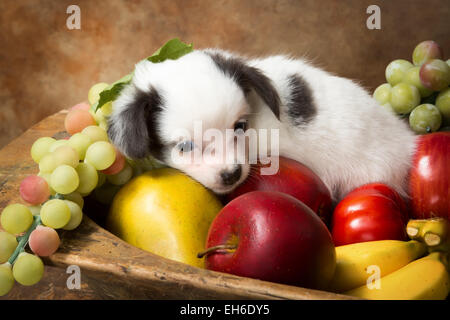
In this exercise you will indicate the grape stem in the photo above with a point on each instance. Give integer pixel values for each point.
(23, 240)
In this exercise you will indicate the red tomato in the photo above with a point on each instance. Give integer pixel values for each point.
(368, 213)
(429, 183)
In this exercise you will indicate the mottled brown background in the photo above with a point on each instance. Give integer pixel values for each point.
(45, 67)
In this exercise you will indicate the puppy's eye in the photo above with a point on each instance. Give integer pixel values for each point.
(240, 125)
(185, 146)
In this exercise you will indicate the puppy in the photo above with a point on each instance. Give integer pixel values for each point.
(328, 123)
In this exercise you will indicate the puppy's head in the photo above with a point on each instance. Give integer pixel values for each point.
(189, 113)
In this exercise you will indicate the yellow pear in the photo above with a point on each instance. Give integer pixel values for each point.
(165, 212)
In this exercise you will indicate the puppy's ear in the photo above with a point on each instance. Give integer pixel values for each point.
(249, 78)
(133, 124)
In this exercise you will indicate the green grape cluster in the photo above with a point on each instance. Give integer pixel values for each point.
(69, 169)
(419, 90)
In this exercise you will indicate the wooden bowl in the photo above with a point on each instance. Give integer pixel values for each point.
(113, 269)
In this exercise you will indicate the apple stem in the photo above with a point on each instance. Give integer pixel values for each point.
(216, 248)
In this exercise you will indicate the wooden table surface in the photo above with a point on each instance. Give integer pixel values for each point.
(111, 268)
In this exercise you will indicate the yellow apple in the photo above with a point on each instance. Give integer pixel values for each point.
(165, 212)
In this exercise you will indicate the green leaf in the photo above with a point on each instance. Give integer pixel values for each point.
(173, 50)
(112, 91)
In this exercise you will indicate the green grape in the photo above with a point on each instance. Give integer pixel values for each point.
(412, 77)
(80, 142)
(75, 197)
(64, 179)
(395, 71)
(40, 148)
(55, 213)
(47, 163)
(383, 93)
(8, 244)
(66, 155)
(47, 176)
(16, 218)
(426, 50)
(99, 116)
(94, 92)
(103, 124)
(448, 62)
(6, 279)
(425, 118)
(58, 143)
(101, 179)
(443, 104)
(122, 177)
(404, 97)
(88, 177)
(76, 215)
(101, 155)
(28, 269)
(95, 133)
(107, 109)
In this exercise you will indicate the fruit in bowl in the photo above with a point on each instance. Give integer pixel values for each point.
(418, 90)
(294, 179)
(165, 212)
(271, 236)
(429, 182)
(368, 213)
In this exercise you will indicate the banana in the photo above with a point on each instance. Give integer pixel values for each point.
(353, 260)
(414, 228)
(434, 232)
(424, 279)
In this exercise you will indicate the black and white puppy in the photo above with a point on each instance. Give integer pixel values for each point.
(328, 123)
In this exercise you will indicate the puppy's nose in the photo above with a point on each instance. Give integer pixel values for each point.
(231, 176)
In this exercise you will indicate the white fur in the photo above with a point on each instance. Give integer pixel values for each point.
(351, 140)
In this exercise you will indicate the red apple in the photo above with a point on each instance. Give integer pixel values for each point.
(294, 179)
(368, 213)
(273, 237)
(429, 183)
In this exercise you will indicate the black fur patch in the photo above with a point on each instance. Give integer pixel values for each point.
(300, 105)
(140, 119)
(249, 78)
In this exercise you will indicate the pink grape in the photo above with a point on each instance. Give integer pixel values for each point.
(81, 106)
(435, 75)
(117, 165)
(426, 50)
(34, 190)
(77, 120)
(44, 241)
